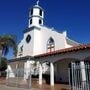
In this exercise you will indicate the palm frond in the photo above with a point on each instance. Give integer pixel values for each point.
(7, 42)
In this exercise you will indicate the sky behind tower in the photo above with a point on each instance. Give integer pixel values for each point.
(72, 16)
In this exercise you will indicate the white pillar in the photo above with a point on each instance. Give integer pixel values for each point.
(25, 72)
(40, 74)
(51, 74)
(82, 65)
(7, 76)
(16, 66)
(27, 68)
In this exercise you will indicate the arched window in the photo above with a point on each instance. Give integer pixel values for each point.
(21, 48)
(21, 51)
(50, 45)
(40, 12)
(40, 21)
(31, 12)
(31, 21)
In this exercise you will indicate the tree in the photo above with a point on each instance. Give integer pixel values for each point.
(3, 66)
(7, 42)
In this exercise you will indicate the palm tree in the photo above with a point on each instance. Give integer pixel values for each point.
(7, 42)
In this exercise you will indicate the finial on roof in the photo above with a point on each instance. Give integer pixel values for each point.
(37, 2)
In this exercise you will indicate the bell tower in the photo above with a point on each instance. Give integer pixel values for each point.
(36, 16)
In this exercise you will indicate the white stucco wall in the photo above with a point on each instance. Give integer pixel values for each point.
(70, 43)
(59, 39)
(11, 70)
(35, 17)
(39, 39)
(42, 36)
(38, 45)
(12, 67)
(27, 47)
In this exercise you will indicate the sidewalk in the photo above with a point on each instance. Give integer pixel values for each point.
(35, 86)
(45, 87)
(4, 87)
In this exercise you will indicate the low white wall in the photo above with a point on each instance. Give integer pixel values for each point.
(10, 70)
(12, 67)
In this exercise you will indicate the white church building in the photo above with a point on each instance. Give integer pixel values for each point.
(43, 50)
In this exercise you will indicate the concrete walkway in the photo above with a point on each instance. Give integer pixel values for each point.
(35, 86)
(4, 87)
(44, 87)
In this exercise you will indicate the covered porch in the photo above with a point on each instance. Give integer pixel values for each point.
(59, 62)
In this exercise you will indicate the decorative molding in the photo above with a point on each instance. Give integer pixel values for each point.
(36, 16)
(30, 29)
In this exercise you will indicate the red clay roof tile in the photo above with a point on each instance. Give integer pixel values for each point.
(75, 48)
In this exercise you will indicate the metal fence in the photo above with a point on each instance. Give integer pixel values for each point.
(76, 79)
(19, 78)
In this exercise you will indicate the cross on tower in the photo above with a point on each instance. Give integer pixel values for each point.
(38, 2)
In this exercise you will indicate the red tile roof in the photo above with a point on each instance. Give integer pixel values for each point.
(71, 49)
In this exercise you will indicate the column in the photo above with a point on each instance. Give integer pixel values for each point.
(28, 68)
(16, 71)
(51, 74)
(40, 74)
(25, 72)
(82, 65)
(16, 66)
(7, 76)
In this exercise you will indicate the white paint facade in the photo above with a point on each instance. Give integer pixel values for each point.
(35, 42)
(39, 40)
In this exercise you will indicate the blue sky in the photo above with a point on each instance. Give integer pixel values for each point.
(70, 15)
